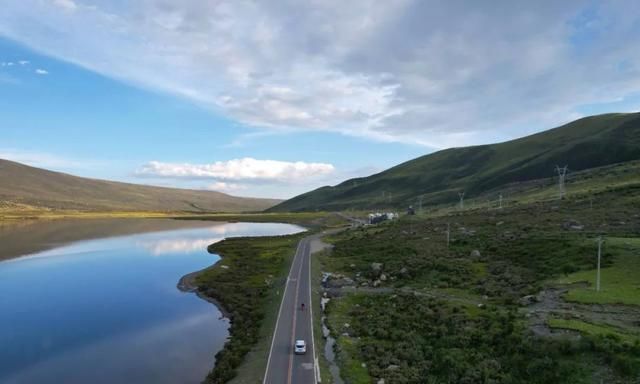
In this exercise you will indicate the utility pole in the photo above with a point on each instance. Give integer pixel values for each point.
(500, 201)
(599, 240)
(448, 234)
(562, 173)
(461, 194)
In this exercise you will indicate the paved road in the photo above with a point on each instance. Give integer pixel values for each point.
(283, 366)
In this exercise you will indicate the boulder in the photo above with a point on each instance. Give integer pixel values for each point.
(527, 300)
(573, 225)
(475, 255)
(339, 282)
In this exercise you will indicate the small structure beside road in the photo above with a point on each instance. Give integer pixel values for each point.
(375, 218)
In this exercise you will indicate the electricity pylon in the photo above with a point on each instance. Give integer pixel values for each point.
(562, 173)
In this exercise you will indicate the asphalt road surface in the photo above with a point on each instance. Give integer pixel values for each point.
(294, 323)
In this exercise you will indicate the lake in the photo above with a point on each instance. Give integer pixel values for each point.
(96, 300)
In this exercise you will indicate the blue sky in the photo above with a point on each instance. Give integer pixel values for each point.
(77, 121)
(274, 99)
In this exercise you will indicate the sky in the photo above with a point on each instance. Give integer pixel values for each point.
(275, 98)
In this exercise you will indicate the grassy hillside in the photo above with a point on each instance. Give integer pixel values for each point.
(28, 189)
(586, 143)
(491, 295)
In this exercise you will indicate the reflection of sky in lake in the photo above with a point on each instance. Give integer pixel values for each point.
(106, 311)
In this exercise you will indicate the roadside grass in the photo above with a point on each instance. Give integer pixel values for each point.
(253, 367)
(593, 329)
(320, 341)
(620, 283)
(351, 367)
(248, 282)
(250, 287)
(347, 356)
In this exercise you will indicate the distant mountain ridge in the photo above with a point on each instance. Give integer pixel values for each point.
(438, 177)
(39, 188)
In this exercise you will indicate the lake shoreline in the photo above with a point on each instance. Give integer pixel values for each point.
(187, 284)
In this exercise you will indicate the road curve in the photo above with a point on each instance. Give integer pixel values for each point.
(283, 366)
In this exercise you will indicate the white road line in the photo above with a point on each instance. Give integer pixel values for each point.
(295, 315)
(273, 339)
(313, 341)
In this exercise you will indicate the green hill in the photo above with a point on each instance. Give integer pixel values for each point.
(438, 177)
(25, 188)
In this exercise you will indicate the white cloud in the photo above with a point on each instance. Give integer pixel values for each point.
(245, 169)
(159, 247)
(221, 186)
(41, 71)
(24, 62)
(427, 72)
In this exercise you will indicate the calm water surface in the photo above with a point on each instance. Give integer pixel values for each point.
(108, 310)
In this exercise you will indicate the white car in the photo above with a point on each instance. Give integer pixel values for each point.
(300, 347)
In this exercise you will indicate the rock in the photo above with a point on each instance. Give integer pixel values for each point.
(224, 266)
(339, 281)
(572, 224)
(527, 300)
(383, 277)
(499, 223)
(364, 284)
(392, 367)
(363, 365)
(475, 255)
(376, 283)
(381, 381)
(323, 303)
(404, 271)
(352, 265)
(346, 325)
(376, 267)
